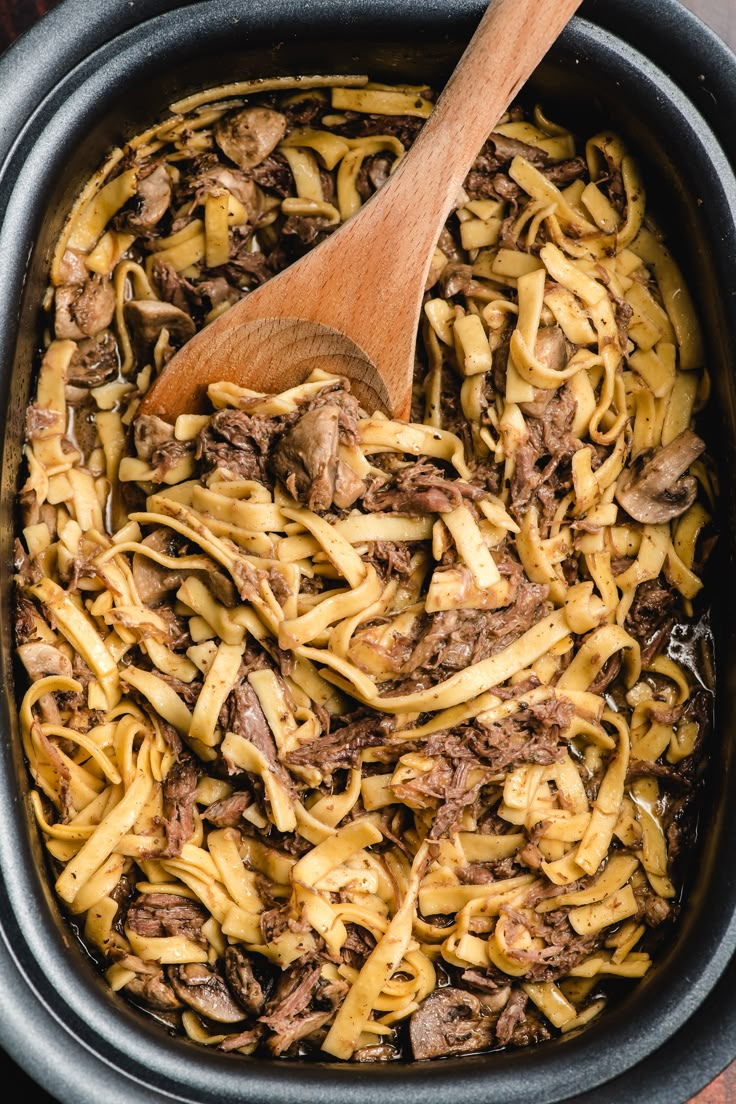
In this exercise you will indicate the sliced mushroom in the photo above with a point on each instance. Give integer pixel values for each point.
(222, 587)
(564, 172)
(497, 1001)
(239, 184)
(155, 583)
(218, 291)
(456, 279)
(348, 486)
(551, 350)
(72, 268)
(154, 991)
(40, 660)
(153, 196)
(378, 1052)
(306, 458)
(84, 426)
(152, 581)
(94, 362)
(82, 310)
(148, 317)
(449, 1021)
(247, 137)
(206, 992)
(655, 488)
(149, 433)
(504, 188)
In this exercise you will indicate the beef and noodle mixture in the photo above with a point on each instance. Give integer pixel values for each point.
(352, 737)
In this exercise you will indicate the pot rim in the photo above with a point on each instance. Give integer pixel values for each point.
(35, 970)
(35, 63)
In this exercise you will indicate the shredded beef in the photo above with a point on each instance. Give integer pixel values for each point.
(534, 735)
(488, 177)
(458, 793)
(274, 174)
(550, 442)
(242, 714)
(188, 691)
(391, 559)
(250, 986)
(511, 1017)
(228, 813)
(25, 619)
(454, 639)
(416, 490)
(237, 442)
(178, 804)
(155, 915)
(341, 749)
(309, 229)
(167, 456)
(302, 1003)
(403, 127)
(651, 616)
(306, 459)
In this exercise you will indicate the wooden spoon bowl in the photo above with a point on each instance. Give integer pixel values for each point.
(352, 305)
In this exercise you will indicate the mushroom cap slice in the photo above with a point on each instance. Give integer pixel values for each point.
(149, 433)
(153, 582)
(41, 659)
(306, 458)
(95, 361)
(154, 991)
(83, 310)
(655, 489)
(552, 350)
(153, 196)
(247, 137)
(148, 317)
(206, 992)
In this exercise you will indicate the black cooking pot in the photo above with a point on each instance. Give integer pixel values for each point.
(89, 76)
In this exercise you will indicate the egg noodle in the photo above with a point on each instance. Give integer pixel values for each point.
(333, 720)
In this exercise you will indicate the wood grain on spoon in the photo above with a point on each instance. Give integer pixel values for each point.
(352, 305)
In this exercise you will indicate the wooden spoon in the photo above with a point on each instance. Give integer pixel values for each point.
(352, 305)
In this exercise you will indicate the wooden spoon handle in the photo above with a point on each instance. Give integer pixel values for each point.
(390, 241)
(511, 39)
(353, 304)
(389, 244)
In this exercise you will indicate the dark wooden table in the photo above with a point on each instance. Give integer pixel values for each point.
(15, 17)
